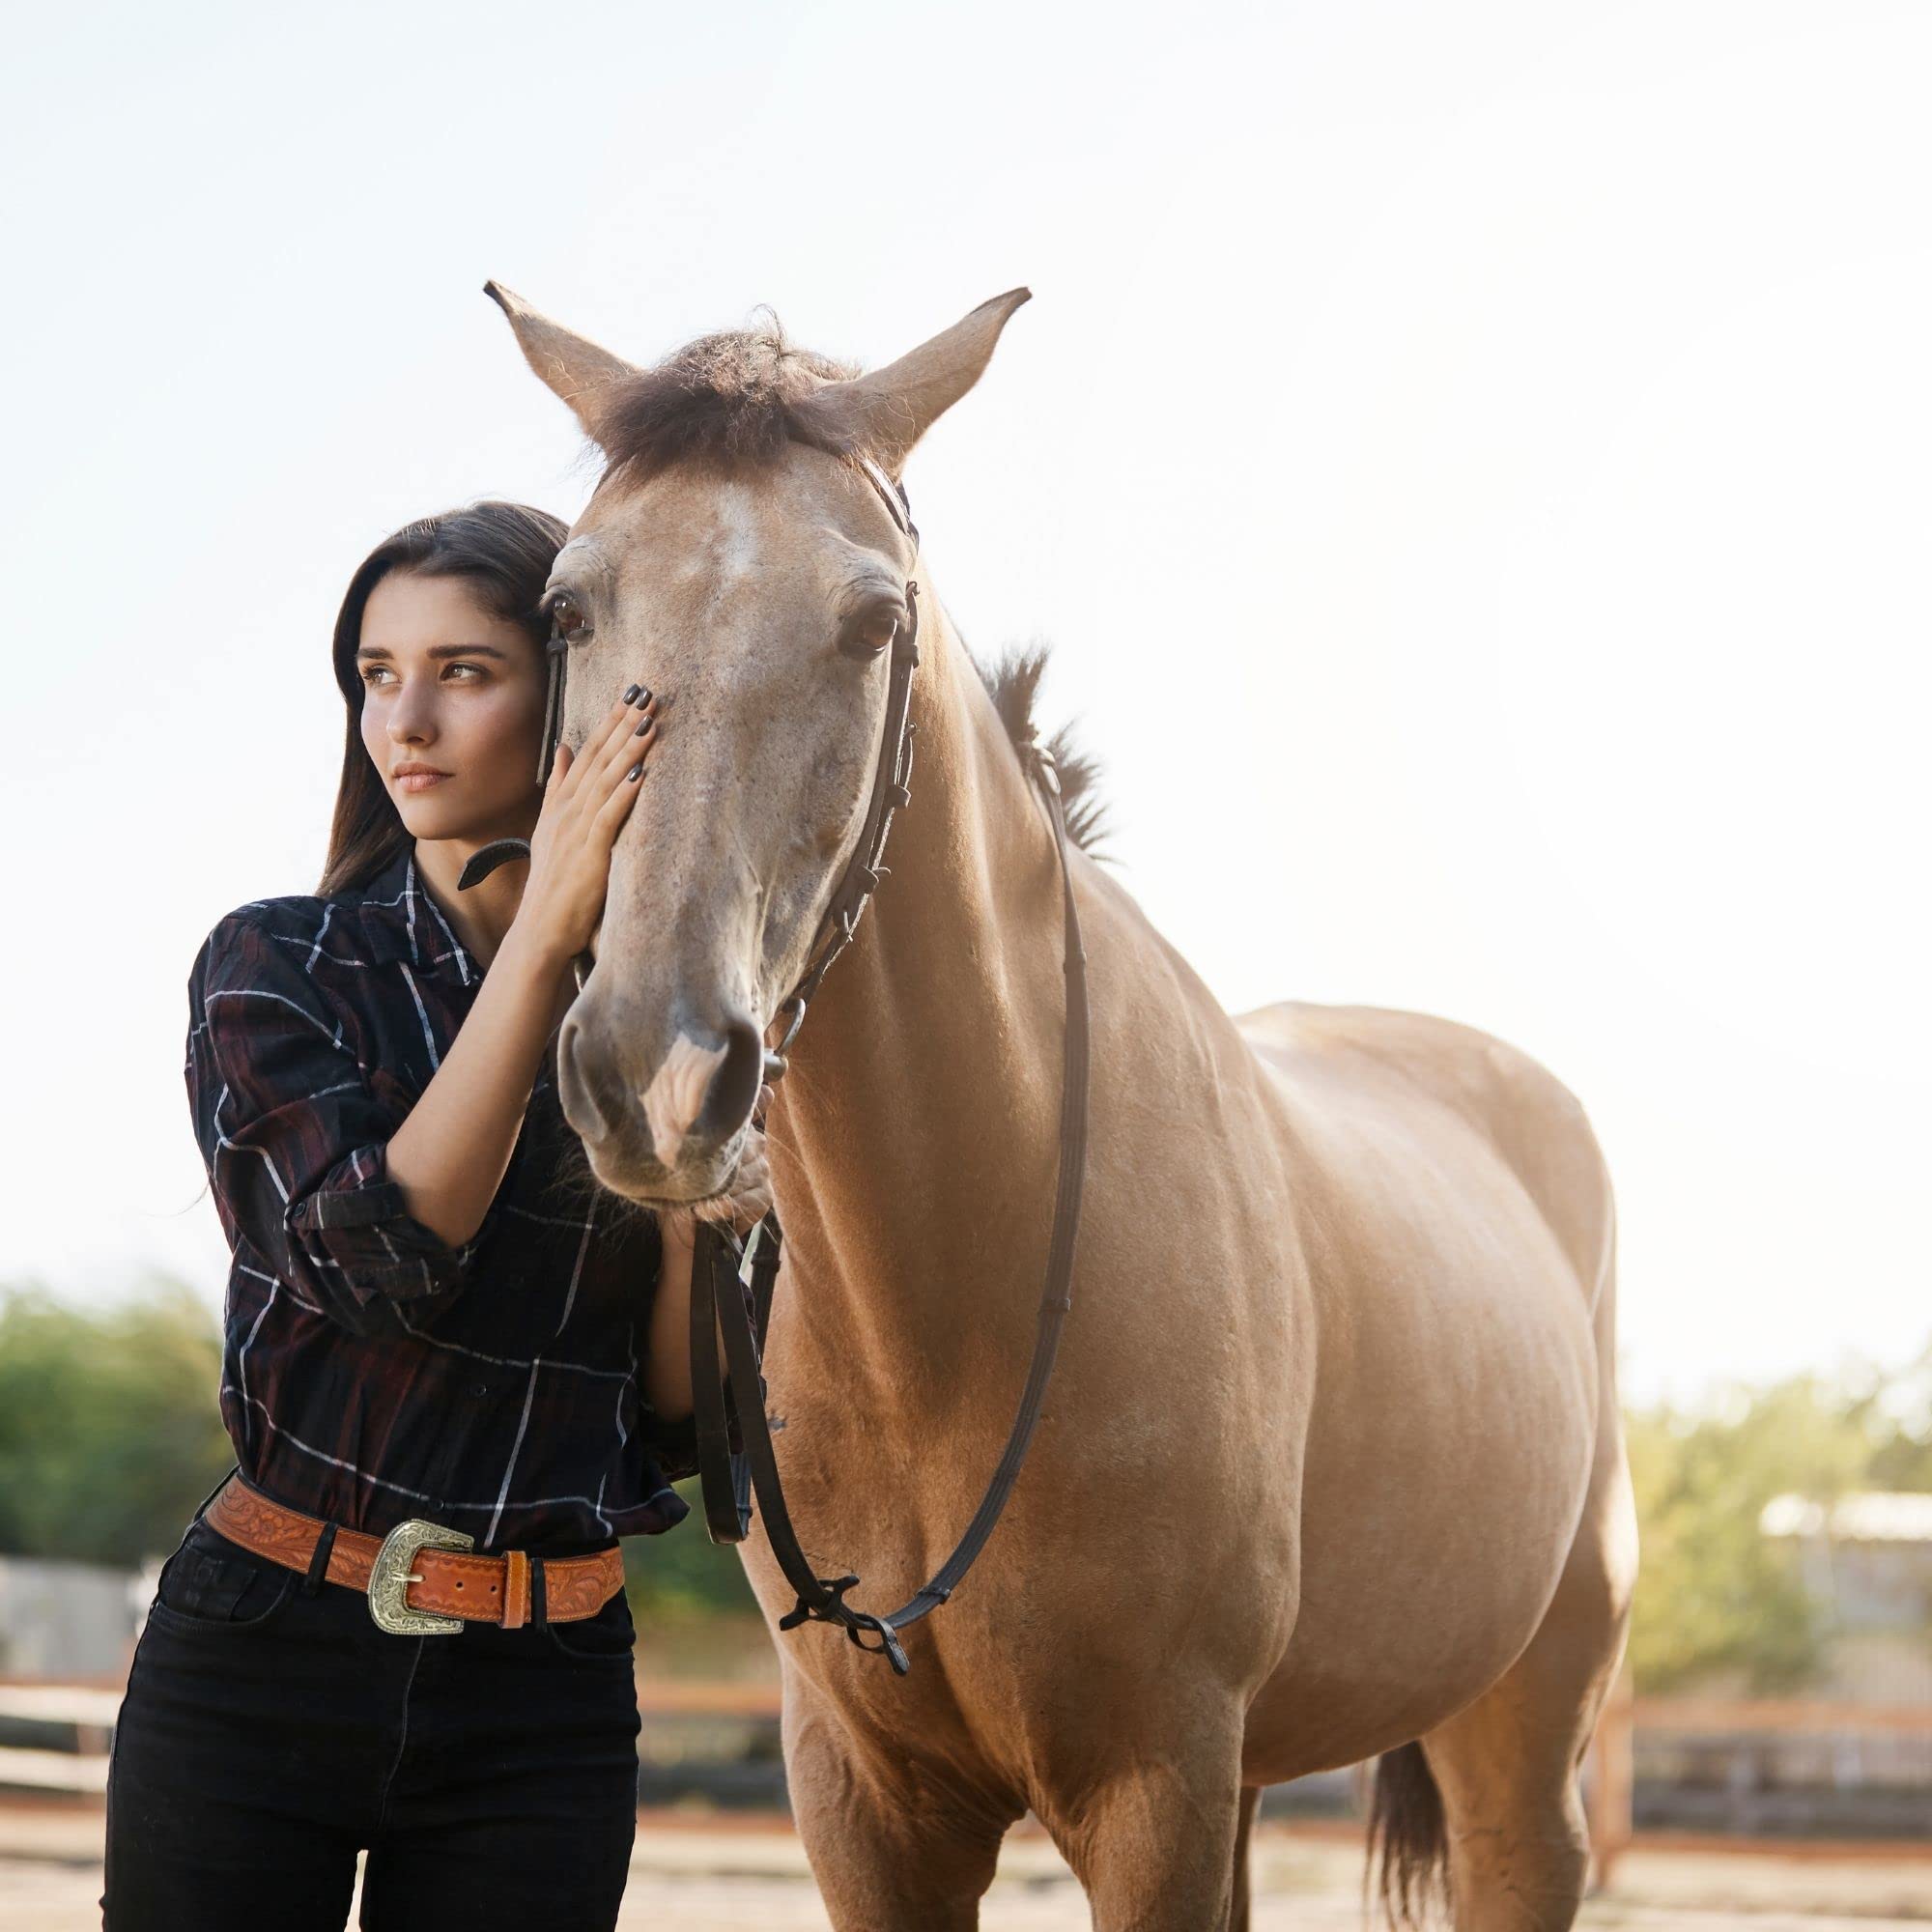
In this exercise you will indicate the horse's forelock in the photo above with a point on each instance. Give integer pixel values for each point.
(727, 403)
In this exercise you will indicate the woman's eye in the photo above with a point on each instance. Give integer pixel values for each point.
(474, 671)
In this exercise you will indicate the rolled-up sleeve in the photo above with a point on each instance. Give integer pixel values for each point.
(674, 1444)
(295, 1135)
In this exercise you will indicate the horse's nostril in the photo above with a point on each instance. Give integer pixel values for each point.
(575, 1091)
(734, 1087)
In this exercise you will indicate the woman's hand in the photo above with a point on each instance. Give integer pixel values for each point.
(584, 806)
(746, 1199)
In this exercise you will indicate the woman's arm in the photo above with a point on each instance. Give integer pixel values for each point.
(450, 1154)
(666, 1364)
(296, 1133)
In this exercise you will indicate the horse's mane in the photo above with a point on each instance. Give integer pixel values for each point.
(1012, 684)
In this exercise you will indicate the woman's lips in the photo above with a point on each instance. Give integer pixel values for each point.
(419, 780)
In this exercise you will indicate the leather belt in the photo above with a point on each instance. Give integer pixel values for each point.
(421, 1579)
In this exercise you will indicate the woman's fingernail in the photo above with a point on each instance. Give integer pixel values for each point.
(636, 772)
(649, 724)
(641, 694)
(631, 695)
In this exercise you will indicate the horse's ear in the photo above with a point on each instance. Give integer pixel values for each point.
(574, 369)
(885, 412)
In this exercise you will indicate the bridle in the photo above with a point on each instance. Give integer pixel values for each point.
(735, 1455)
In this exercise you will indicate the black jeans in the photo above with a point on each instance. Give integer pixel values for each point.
(270, 1734)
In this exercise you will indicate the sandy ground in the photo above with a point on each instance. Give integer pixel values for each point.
(698, 1878)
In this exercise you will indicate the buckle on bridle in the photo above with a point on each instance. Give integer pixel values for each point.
(856, 1624)
(389, 1578)
(888, 1645)
(774, 1055)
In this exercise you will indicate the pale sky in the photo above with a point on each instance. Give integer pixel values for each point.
(1472, 464)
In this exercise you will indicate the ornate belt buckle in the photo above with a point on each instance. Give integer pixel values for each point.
(389, 1578)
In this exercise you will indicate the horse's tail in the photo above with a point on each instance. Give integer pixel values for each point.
(1407, 1838)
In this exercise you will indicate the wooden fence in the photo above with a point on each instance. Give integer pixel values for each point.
(1610, 1773)
(87, 1713)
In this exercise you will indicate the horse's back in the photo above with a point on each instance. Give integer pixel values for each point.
(1407, 1066)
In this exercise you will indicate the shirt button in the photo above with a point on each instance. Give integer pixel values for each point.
(481, 1388)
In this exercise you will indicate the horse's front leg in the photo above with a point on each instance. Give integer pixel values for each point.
(899, 1839)
(1153, 1840)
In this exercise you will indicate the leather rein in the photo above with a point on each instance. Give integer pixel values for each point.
(735, 1454)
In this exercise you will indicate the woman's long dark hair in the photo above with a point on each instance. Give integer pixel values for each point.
(506, 551)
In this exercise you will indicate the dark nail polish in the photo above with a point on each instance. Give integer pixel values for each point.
(644, 693)
(631, 695)
(636, 772)
(649, 724)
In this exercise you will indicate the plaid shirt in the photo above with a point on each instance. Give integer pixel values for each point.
(370, 1371)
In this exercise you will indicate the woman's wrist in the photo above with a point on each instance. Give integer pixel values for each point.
(528, 952)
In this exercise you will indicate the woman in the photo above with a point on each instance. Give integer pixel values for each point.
(433, 1316)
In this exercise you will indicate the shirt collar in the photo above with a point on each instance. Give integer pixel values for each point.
(402, 922)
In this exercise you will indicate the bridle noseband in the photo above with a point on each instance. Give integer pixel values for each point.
(735, 1455)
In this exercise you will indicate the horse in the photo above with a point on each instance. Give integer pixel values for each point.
(1332, 1469)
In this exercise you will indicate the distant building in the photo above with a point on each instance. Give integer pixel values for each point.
(1867, 1558)
(1816, 1764)
(67, 1620)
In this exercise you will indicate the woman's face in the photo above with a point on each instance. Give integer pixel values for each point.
(452, 708)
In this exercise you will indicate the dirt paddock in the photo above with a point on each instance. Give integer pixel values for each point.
(694, 1875)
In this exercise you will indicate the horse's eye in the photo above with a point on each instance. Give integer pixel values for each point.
(869, 632)
(565, 615)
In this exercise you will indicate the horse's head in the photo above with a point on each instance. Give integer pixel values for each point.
(736, 557)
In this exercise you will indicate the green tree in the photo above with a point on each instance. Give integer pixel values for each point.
(1714, 1593)
(110, 1429)
(683, 1575)
(1902, 1422)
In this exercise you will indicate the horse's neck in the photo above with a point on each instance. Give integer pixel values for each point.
(914, 1139)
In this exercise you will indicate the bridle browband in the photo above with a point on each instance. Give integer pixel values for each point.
(722, 1301)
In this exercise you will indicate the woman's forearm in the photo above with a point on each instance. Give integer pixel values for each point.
(449, 1156)
(667, 1362)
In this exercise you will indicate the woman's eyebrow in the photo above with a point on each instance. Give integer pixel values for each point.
(435, 651)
